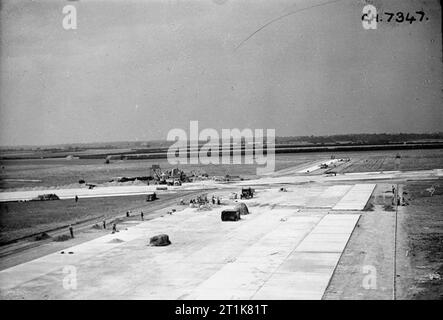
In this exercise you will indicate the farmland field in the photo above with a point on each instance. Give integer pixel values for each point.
(410, 160)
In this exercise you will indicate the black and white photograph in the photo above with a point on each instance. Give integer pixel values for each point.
(234, 151)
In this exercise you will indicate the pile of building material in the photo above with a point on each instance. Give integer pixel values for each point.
(46, 197)
(160, 240)
(131, 179)
(42, 236)
(242, 208)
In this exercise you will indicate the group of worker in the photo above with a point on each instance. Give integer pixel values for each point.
(114, 225)
(202, 200)
(142, 216)
(397, 200)
(215, 200)
(199, 200)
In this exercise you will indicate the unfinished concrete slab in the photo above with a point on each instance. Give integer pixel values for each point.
(294, 286)
(356, 198)
(207, 259)
(253, 266)
(310, 266)
(329, 197)
(318, 196)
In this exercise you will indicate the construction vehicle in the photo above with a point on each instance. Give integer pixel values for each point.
(173, 177)
(230, 215)
(173, 182)
(247, 193)
(156, 173)
(151, 197)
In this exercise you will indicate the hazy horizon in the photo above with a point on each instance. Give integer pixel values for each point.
(203, 141)
(134, 70)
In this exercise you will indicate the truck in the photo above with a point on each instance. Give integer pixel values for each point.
(247, 193)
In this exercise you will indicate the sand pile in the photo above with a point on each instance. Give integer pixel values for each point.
(242, 208)
(116, 240)
(42, 236)
(159, 240)
(63, 237)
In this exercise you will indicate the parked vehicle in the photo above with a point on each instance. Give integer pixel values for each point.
(151, 197)
(247, 193)
(230, 215)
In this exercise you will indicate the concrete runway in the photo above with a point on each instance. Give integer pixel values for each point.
(279, 251)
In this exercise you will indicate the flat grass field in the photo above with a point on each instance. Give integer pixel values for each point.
(19, 219)
(420, 229)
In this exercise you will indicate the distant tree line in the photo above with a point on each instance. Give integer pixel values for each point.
(364, 138)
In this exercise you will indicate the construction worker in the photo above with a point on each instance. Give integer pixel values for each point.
(218, 200)
(127, 214)
(104, 223)
(71, 231)
(142, 216)
(76, 198)
(114, 227)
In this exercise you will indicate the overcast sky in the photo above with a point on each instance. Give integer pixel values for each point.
(133, 70)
